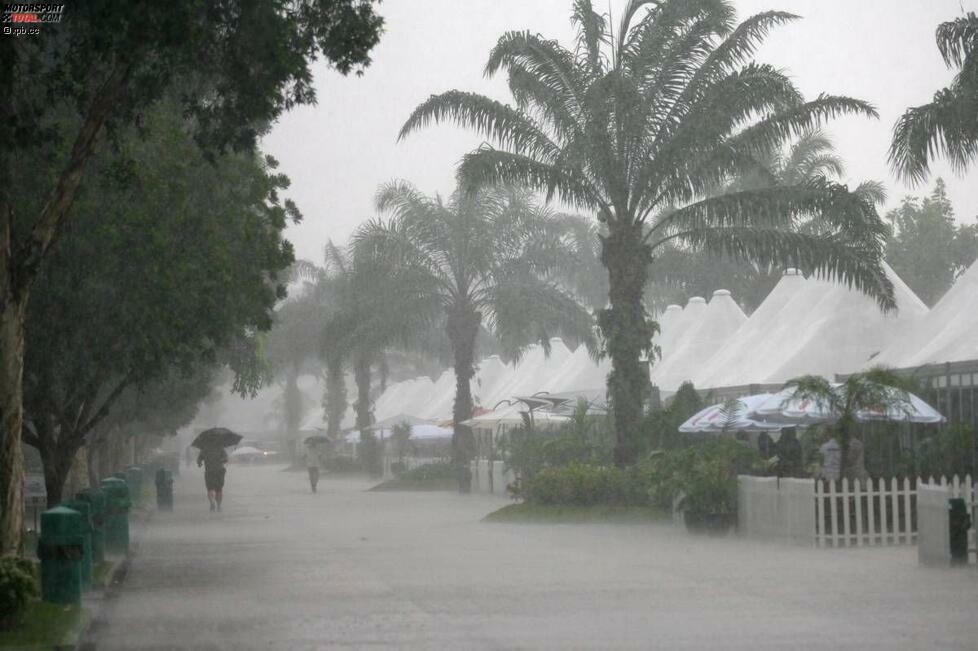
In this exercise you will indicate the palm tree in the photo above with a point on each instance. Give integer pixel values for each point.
(486, 258)
(948, 125)
(873, 389)
(640, 125)
(375, 307)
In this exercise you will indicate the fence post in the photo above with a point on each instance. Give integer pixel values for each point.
(858, 490)
(846, 528)
(819, 514)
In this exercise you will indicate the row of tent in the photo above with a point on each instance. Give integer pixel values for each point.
(805, 326)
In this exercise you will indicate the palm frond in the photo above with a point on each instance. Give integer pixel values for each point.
(944, 128)
(957, 40)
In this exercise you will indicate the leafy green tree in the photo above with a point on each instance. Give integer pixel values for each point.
(926, 248)
(947, 127)
(641, 125)
(238, 63)
(485, 257)
(169, 261)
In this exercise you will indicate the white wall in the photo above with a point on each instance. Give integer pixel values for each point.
(776, 509)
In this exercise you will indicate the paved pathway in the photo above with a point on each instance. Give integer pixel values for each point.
(281, 568)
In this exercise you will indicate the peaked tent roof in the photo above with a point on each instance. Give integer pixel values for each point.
(822, 328)
(721, 318)
(946, 334)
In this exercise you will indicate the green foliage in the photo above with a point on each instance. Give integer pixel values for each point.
(438, 470)
(927, 249)
(586, 485)
(948, 451)
(585, 439)
(18, 585)
(946, 127)
(401, 439)
(342, 464)
(660, 428)
(703, 477)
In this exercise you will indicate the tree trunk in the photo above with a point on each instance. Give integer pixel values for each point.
(12, 315)
(335, 396)
(628, 335)
(369, 450)
(56, 463)
(463, 327)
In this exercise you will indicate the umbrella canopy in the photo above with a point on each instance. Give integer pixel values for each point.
(903, 407)
(512, 416)
(216, 437)
(388, 423)
(318, 439)
(732, 416)
(247, 451)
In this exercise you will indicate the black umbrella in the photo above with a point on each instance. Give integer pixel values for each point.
(317, 440)
(216, 437)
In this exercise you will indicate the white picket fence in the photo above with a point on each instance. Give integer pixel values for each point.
(875, 512)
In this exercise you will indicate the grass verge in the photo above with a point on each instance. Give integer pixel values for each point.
(46, 626)
(569, 513)
(417, 485)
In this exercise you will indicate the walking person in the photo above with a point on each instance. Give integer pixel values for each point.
(314, 463)
(213, 459)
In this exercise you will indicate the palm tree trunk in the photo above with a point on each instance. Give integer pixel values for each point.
(369, 452)
(12, 318)
(463, 327)
(628, 335)
(335, 395)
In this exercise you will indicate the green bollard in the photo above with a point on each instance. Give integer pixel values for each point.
(164, 490)
(60, 549)
(134, 479)
(117, 515)
(96, 498)
(85, 510)
(958, 524)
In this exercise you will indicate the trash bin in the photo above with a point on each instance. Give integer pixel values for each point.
(116, 515)
(134, 479)
(164, 490)
(85, 510)
(96, 498)
(958, 524)
(60, 548)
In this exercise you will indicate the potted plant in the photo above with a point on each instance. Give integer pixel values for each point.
(709, 496)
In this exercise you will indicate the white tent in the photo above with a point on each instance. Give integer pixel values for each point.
(705, 335)
(581, 374)
(491, 375)
(532, 374)
(439, 407)
(822, 328)
(668, 329)
(681, 325)
(527, 368)
(946, 334)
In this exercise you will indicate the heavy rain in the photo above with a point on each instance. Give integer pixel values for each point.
(489, 325)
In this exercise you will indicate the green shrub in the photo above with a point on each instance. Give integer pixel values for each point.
(18, 585)
(586, 485)
(341, 464)
(703, 476)
(430, 472)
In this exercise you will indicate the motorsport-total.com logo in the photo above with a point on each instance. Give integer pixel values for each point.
(29, 18)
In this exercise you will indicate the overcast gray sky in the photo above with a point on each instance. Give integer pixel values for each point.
(338, 152)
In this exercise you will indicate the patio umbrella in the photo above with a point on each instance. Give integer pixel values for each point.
(731, 416)
(903, 407)
(318, 439)
(388, 423)
(216, 437)
(246, 451)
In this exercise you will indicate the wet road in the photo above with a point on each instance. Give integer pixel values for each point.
(281, 568)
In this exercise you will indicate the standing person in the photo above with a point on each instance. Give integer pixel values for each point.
(831, 458)
(213, 459)
(314, 461)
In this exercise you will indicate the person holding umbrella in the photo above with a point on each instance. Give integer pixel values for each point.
(213, 457)
(314, 458)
